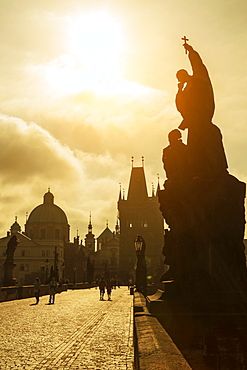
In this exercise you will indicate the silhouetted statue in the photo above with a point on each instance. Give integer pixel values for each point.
(11, 247)
(202, 204)
(195, 97)
(195, 102)
(9, 262)
(175, 157)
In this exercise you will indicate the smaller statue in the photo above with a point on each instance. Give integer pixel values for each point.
(11, 247)
(9, 264)
(175, 157)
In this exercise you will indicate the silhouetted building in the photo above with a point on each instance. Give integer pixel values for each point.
(48, 226)
(26, 256)
(45, 247)
(140, 214)
(106, 258)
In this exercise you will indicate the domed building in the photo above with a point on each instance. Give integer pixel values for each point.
(47, 222)
(47, 225)
(41, 247)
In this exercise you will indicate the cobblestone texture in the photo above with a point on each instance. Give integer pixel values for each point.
(78, 332)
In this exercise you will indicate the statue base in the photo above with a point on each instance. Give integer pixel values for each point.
(208, 327)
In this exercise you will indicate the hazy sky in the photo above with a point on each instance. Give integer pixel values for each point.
(87, 84)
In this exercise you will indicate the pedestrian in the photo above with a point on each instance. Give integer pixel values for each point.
(37, 289)
(102, 286)
(109, 289)
(52, 290)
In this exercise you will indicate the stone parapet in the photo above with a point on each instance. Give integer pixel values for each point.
(154, 348)
(19, 292)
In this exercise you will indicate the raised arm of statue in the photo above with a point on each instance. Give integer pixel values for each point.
(195, 97)
(198, 67)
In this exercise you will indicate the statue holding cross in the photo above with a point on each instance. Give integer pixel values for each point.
(195, 102)
(202, 204)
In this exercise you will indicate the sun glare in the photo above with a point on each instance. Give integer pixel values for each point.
(97, 40)
(94, 58)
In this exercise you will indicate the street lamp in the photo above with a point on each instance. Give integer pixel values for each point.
(46, 270)
(63, 267)
(74, 269)
(141, 269)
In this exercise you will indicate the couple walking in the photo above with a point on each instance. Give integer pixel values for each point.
(105, 285)
(52, 290)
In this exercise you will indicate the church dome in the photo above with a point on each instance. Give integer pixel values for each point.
(15, 227)
(48, 212)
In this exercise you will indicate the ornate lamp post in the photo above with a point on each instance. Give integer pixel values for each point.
(141, 268)
(63, 267)
(74, 279)
(46, 270)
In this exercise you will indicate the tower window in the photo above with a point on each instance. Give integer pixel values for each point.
(25, 253)
(45, 253)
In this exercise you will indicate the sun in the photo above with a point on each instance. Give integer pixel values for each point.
(97, 40)
(94, 59)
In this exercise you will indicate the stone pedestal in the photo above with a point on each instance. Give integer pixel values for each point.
(8, 273)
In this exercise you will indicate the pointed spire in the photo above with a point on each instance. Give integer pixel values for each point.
(106, 223)
(117, 229)
(137, 185)
(26, 216)
(132, 161)
(123, 194)
(158, 186)
(90, 227)
(153, 195)
(120, 191)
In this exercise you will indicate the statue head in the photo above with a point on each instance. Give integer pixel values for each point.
(174, 136)
(182, 76)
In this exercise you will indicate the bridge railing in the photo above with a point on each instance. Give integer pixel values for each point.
(19, 292)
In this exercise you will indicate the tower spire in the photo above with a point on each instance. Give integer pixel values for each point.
(153, 190)
(132, 161)
(158, 186)
(90, 227)
(117, 227)
(120, 191)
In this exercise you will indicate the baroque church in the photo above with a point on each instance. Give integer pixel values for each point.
(44, 248)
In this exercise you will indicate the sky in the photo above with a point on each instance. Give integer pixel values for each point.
(86, 85)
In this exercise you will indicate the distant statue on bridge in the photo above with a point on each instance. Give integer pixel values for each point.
(9, 262)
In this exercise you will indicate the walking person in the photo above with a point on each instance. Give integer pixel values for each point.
(102, 286)
(52, 290)
(109, 289)
(37, 289)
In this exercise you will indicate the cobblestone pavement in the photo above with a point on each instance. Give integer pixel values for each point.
(78, 332)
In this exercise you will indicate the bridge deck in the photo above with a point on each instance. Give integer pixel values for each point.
(78, 332)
